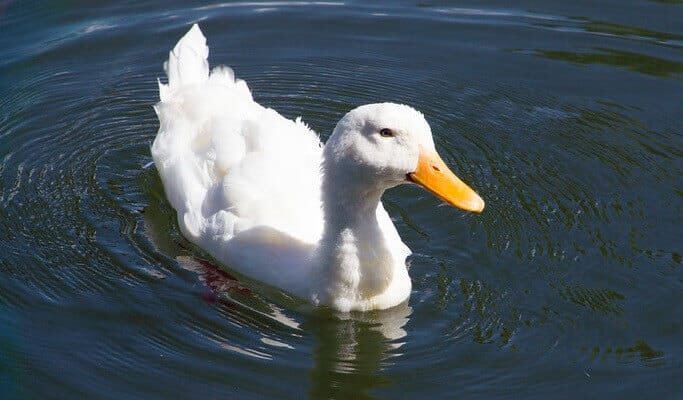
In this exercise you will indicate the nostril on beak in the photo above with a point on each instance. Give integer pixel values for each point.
(436, 168)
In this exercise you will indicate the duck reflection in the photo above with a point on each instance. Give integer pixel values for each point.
(352, 349)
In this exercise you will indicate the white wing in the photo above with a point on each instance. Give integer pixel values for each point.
(226, 162)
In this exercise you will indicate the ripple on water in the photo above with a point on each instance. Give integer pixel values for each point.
(575, 231)
(520, 183)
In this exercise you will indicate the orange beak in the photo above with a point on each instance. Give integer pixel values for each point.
(433, 174)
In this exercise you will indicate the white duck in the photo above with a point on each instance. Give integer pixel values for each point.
(262, 195)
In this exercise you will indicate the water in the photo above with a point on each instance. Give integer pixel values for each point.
(566, 118)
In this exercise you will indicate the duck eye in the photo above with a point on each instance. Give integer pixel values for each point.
(386, 132)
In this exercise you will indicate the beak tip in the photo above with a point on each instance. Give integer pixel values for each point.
(477, 205)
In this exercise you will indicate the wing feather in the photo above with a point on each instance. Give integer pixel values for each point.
(226, 162)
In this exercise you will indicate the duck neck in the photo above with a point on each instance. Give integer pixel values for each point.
(354, 253)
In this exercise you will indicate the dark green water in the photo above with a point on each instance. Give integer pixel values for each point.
(566, 118)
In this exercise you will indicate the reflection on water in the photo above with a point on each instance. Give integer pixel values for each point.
(352, 349)
(602, 300)
(633, 61)
(631, 31)
(564, 115)
(640, 351)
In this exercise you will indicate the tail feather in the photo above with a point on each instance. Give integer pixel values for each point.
(187, 63)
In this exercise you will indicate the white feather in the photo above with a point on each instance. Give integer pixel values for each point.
(247, 186)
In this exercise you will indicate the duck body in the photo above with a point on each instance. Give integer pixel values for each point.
(262, 195)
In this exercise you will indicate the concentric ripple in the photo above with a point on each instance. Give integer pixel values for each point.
(565, 120)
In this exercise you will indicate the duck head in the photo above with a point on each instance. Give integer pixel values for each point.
(390, 144)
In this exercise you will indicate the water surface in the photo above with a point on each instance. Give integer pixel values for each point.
(566, 118)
